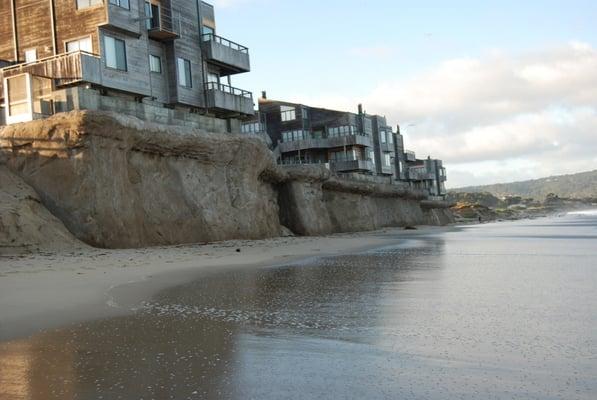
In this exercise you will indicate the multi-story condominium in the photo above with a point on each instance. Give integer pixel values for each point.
(347, 142)
(426, 174)
(158, 59)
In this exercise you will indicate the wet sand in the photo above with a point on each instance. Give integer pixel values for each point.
(50, 290)
(495, 311)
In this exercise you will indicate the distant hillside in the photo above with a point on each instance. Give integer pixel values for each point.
(582, 185)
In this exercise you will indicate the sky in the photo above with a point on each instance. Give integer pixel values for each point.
(500, 90)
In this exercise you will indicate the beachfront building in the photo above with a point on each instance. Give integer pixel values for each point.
(426, 174)
(357, 145)
(349, 143)
(160, 60)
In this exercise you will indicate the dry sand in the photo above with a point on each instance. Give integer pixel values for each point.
(50, 290)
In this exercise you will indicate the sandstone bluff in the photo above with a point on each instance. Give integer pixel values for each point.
(117, 182)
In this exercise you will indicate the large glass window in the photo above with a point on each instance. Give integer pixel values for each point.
(88, 3)
(345, 130)
(387, 159)
(287, 113)
(152, 11)
(184, 73)
(155, 64)
(18, 98)
(291, 136)
(208, 32)
(121, 3)
(80, 44)
(367, 126)
(251, 127)
(382, 136)
(115, 50)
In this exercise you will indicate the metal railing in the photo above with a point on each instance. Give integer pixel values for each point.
(228, 89)
(210, 37)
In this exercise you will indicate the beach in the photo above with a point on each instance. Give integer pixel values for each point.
(51, 289)
(493, 311)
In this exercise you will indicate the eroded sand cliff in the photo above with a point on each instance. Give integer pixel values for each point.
(118, 182)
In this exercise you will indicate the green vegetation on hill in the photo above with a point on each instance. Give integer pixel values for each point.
(579, 186)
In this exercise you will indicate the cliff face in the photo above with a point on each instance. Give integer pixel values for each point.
(118, 182)
(317, 203)
(25, 224)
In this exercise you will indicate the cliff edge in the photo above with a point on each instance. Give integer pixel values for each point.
(118, 182)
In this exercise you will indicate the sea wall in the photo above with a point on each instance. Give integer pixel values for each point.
(118, 182)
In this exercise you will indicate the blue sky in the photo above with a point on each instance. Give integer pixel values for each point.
(398, 57)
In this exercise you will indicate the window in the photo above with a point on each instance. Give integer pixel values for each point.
(18, 96)
(305, 113)
(372, 156)
(291, 136)
(350, 155)
(390, 138)
(208, 33)
(287, 113)
(252, 127)
(155, 64)
(213, 77)
(153, 12)
(184, 73)
(345, 130)
(367, 126)
(387, 159)
(115, 50)
(88, 3)
(382, 136)
(30, 55)
(121, 3)
(83, 44)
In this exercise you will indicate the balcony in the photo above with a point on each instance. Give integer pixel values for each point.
(63, 69)
(326, 143)
(159, 23)
(410, 156)
(29, 87)
(231, 57)
(225, 100)
(352, 165)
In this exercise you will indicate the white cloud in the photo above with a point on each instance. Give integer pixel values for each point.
(499, 117)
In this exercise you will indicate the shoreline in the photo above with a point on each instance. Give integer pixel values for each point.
(52, 290)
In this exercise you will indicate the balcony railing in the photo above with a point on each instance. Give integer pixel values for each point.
(64, 69)
(210, 37)
(228, 89)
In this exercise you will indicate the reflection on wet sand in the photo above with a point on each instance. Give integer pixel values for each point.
(497, 311)
(121, 358)
(184, 343)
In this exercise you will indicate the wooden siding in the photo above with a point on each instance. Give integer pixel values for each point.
(188, 46)
(6, 36)
(34, 27)
(126, 21)
(134, 79)
(159, 82)
(72, 24)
